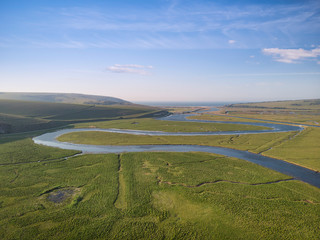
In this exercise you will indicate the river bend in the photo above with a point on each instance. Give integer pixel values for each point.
(299, 173)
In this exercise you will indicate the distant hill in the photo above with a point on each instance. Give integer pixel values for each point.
(306, 104)
(73, 98)
(305, 111)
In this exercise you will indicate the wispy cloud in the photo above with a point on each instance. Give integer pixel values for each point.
(191, 23)
(292, 55)
(129, 68)
(193, 17)
(61, 44)
(178, 24)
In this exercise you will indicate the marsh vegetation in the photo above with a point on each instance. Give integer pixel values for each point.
(49, 193)
(156, 195)
(168, 126)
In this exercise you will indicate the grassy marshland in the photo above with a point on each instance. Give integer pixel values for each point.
(168, 126)
(24, 150)
(299, 111)
(301, 148)
(45, 195)
(155, 195)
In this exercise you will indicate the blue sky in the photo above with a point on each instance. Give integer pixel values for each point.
(162, 50)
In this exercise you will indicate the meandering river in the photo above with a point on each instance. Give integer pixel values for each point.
(299, 173)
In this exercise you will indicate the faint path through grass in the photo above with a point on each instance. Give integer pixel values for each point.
(302, 149)
(120, 201)
(277, 142)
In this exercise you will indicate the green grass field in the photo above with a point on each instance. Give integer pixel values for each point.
(227, 118)
(308, 104)
(299, 111)
(249, 142)
(295, 118)
(298, 148)
(303, 149)
(48, 193)
(25, 150)
(155, 196)
(168, 126)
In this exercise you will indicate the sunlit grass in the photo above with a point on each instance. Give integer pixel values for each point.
(159, 199)
(303, 149)
(253, 142)
(169, 126)
(25, 150)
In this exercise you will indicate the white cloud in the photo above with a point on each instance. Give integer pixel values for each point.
(292, 55)
(132, 66)
(231, 41)
(129, 68)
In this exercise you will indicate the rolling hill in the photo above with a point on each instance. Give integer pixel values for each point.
(22, 116)
(74, 98)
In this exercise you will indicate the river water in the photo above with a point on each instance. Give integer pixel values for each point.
(297, 172)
